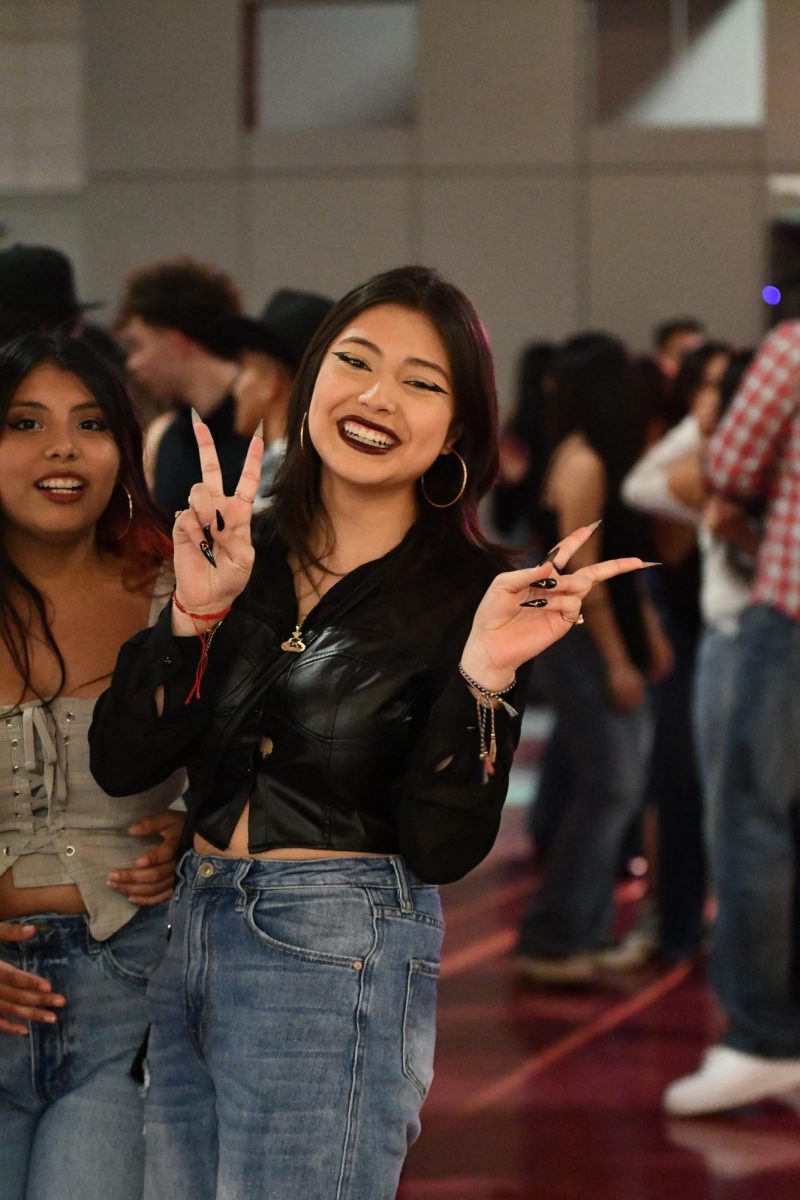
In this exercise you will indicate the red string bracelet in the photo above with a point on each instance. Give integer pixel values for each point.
(205, 636)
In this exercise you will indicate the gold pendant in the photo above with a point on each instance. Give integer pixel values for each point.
(294, 643)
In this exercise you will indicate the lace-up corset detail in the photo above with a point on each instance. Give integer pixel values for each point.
(57, 826)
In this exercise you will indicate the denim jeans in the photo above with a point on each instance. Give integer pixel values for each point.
(573, 910)
(674, 789)
(71, 1115)
(293, 1029)
(754, 960)
(715, 672)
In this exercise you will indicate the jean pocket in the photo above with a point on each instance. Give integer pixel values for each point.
(132, 954)
(419, 1023)
(327, 925)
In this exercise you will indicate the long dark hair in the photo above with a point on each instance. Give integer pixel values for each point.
(691, 377)
(297, 502)
(141, 538)
(595, 397)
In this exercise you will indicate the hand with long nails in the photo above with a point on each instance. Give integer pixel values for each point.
(213, 548)
(523, 612)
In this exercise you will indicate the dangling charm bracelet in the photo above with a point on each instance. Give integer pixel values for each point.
(486, 702)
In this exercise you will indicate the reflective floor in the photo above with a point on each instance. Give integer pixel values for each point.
(554, 1095)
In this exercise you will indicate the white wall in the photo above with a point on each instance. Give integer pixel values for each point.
(547, 225)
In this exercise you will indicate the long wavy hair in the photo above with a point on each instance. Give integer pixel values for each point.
(297, 502)
(141, 539)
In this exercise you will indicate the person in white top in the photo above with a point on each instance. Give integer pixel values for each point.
(668, 482)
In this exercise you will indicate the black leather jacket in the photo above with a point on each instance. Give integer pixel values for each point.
(373, 732)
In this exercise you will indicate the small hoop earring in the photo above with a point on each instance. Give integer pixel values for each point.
(302, 432)
(121, 536)
(460, 492)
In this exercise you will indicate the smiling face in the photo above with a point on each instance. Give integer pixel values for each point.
(58, 459)
(382, 408)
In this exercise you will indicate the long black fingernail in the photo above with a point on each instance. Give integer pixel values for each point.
(551, 557)
(545, 583)
(204, 546)
(220, 521)
(209, 538)
(540, 602)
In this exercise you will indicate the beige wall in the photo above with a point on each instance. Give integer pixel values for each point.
(549, 227)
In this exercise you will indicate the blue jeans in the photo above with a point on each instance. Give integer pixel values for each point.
(674, 788)
(605, 755)
(71, 1115)
(754, 961)
(715, 672)
(293, 1029)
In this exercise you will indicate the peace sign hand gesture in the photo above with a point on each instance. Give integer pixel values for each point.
(213, 547)
(524, 612)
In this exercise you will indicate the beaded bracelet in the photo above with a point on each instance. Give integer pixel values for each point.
(486, 702)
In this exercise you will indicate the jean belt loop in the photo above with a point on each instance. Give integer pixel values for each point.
(403, 888)
(241, 873)
(180, 876)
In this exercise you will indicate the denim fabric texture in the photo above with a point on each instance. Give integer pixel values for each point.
(755, 959)
(604, 752)
(674, 789)
(714, 677)
(293, 1029)
(70, 1113)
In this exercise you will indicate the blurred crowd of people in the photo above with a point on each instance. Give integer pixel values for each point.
(676, 703)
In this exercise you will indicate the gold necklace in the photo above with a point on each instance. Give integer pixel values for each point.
(294, 643)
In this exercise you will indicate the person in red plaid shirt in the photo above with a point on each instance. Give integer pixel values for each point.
(753, 457)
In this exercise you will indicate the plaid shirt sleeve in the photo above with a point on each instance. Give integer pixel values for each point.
(750, 436)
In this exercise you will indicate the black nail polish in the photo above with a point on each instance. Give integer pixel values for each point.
(540, 602)
(545, 583)
(206, 549)
(220, 520)
(549, 561)
(209, 538)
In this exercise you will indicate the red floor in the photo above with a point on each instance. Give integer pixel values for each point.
(555, 1095)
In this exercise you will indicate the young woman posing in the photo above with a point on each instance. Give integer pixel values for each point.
(341, 762)
(82, 878)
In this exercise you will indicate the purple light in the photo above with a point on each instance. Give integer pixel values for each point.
(771, 295)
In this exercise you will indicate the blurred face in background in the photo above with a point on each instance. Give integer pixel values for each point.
(154, 358)
(705, 404)
(262, 386)
(676, 347)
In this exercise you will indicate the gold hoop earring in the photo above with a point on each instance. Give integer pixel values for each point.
(302, 431)
(121, 536)
(460, 492)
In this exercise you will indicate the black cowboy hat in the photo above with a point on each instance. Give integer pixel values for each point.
(37, 289)
(287, 323)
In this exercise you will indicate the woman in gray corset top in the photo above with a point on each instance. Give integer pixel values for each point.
(83, 564)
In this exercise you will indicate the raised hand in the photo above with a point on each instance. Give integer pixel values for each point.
(506, 632)
(210, 580)
(152, 877)
(23, 997)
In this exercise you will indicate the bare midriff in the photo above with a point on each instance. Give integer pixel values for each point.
(26, 902)
(238, 848)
